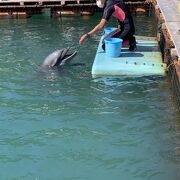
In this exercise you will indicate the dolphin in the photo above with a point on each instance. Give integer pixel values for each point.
(58, 58)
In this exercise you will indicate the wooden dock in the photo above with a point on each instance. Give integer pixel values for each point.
(168, 13)
(61, 7)
(40, 2)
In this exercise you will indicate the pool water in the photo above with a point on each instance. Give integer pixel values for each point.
(63, 124)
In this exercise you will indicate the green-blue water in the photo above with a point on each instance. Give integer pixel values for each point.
(64, 125)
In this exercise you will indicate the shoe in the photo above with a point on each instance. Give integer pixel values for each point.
(132, 44)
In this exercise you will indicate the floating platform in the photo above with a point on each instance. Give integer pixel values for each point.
(147, 60)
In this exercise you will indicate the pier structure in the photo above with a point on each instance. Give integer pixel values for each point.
(26, 8)
(168, 14)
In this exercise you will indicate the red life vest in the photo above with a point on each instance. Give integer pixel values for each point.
(119, 13)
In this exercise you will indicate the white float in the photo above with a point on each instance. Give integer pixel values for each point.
(147, 60)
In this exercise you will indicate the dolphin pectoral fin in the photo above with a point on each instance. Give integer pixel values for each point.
(67, 58)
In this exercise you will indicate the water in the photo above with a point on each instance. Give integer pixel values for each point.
(62, 124)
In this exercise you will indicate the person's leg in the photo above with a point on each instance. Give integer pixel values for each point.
(131, 37)
(132, 43)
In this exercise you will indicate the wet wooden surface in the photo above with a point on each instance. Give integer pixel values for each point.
(170, 10)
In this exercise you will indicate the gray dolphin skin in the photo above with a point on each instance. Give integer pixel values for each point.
(58, 58)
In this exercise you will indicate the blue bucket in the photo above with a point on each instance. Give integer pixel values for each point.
(113, 47)
(108, 30)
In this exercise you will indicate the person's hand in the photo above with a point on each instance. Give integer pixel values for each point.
(83, 38)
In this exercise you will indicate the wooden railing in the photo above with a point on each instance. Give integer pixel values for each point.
(62, 2)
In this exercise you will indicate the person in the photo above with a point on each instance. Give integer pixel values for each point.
(125, 30)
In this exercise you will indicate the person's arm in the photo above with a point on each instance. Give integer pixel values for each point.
(97, 28)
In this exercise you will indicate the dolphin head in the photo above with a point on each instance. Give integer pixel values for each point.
(58, 58)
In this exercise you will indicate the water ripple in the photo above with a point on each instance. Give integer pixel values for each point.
(63, 124)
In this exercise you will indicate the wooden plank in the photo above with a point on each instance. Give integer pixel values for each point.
(170, 11)
(18, 1)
